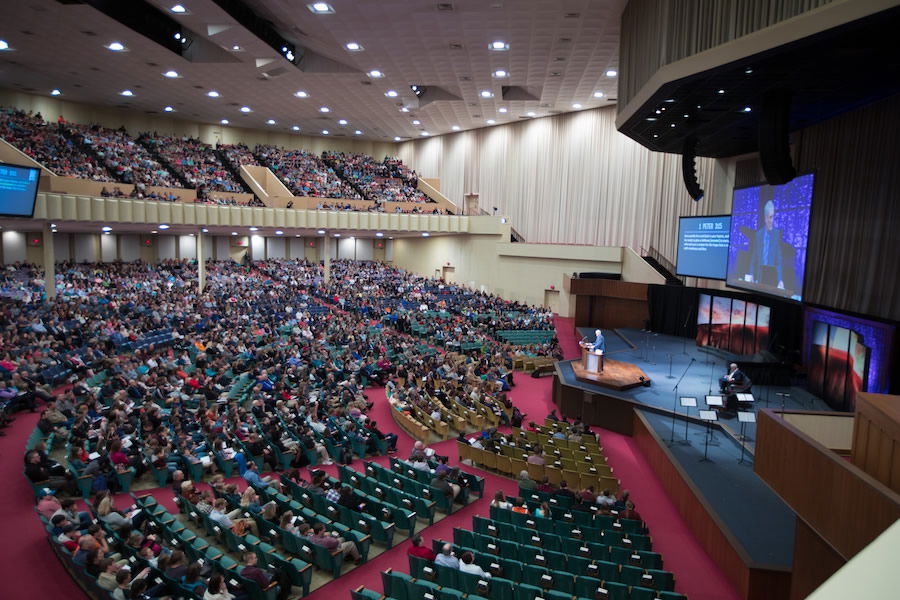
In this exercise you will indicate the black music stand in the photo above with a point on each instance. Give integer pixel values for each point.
(744, 418)
(687, 402)
(715, 401)
(708, 417)
(784, 396)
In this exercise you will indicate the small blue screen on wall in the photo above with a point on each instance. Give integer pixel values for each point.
(18, 190)
(703, 246)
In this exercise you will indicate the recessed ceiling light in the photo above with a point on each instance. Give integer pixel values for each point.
(279, 232)
(500, 74)
(531, 113)
(116, 47)
(324, 132)
(424, 133)
(416, 122)
(342, 121)
(234, 233)
(324, 109)
(747, 109)
(655, 135)
(659, 112)
(321, 8)
(270, 122)
(169, 109)
(391, 93)
(55, 93)
(748, 70)
(354, 46)
(425, 234)
(254, 229)
(576, 105)
(154, 231)
(224, 121)
(246, 109)
(490, 121)
(301, 94)
(379, 234)
(107, 228)
(296, 128)
(337, 235)
(672, 125)
(375, 74)
(502, 109)
(179, 9)
(721, 91)
(404, 110)
(171, 74)
(358, 132)
(487, 94)
(321, 232)
(205, 230)
(455, 128)
(126, 93)
(498, 46)
(650, 119)
(212, 94)
(396, 138)
(669, 100)
(685, 115)
(612, 73)
(4, 45)
(236, 48)
(163, 226)
(598, 94)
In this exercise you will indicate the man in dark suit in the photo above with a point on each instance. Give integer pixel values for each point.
(767, 250)
(732, 380)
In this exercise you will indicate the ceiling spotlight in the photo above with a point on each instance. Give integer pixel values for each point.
(747, 109)
(576, 105)
(416, 122)
(375, 74)
(116, 47)
(212, 94)
(612, 73)
(107, 228)
(659, 112)
(379, 234)
(502, 109)
(246, 109)
(169, 109)
(296, 128)
(655, 135)
(490, 121)
(396, 138)
(163, 226)
(650, 119)
(353, 46)
(320, 8)
(177, 36)
(270, 122)
(455, 128)
(487, 94)
(324, 132)
(178, 9)
(404, 109)
(391, 93)
(324, 109)
(498, 46)
(301, 94)
(342, 122)
(205, 230)
(254, 229)
(598, 94)
(358, 132)
(126, 93)
(425, 234)
(672, 125)
(171, 74)
(55, 93)
(531, 113)
(234, 233)
(279, 232)
(224, 121)
(424, 133)
(748, 70)
(236, 48)
(321, 232)
(685, 116)
(500, 74)
(154, 231)
(721, 91)
(337, 235)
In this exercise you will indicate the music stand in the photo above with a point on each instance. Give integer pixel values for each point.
(744, 418)
(784, 396)
(707, 416)
(717, 402)
(687, 402)
(746, 399)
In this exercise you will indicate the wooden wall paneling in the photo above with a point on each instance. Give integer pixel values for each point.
(876, 437)
(814, 561)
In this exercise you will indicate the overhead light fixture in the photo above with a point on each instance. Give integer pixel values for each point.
(487, 94)
(655, 135)
(168, 109)
(397, 138)
(279, 232)
(379, 234)
(416, 122)
(246, 109)
(747, 109)
(321, 8)
(404, 109)
(531, 113)
(126, 93)
(107, 228)
(490, 121)
(424, 133)
(498, 46)
(358, 132)
(178, 9)
(236, 48)
(324, 109)
(234, 233)
(342, 121)
(321, 232)
(116, 47)
(205, 230)
(376, 74)
(685, 115)
(270, 122)
(254, 229)
(669, 100)
(612, 73)
(354, 46)
(324, 132)
(598, 94)
(748, 70)
(212, 94)
(576, 106)
(171, 74)
(154, 231)
(163, 226)
(301, 94)
(391, 93)
(4, 45)
(672, 125)
(224, 121)
(55, 92)
(455, 128)
(296, 128)
(337, 235)
(425, 234)
(502, 109)
(721, 91)
(500, 74)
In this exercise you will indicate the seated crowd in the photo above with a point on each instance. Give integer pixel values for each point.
(123, 156)
(305, 174)
(378, 181)
(196, 161)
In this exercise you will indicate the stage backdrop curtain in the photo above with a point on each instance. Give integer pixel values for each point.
(568, 178)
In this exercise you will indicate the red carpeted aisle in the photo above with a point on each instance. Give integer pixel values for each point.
(696, 573)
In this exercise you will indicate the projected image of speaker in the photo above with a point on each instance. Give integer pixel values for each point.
(18, 190)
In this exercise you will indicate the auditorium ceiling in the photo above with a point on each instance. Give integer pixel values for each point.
(551, 57)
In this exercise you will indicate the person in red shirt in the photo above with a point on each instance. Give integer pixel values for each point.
(417, 549)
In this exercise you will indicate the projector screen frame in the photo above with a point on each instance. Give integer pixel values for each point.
(36, 189)
(677, 249)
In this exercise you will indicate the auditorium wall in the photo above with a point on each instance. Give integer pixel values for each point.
(136, 122)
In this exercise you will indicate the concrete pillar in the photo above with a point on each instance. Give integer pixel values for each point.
(49, 264)
(201, 261)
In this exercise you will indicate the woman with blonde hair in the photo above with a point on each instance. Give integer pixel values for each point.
(107, 512)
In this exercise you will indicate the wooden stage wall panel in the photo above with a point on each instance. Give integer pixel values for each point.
(609, 304)
(755, 582)
(595, 409)
(818, 485)
(876, 437)
(814, 561)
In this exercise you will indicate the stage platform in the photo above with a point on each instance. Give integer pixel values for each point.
(736, 515)
(616, 375)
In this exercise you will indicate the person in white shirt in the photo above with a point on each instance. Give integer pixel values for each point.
(446, 558)
(467, 565)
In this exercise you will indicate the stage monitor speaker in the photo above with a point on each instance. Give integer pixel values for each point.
(689, 168)
(774, 137)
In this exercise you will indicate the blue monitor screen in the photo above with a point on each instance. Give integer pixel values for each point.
(769, 237)
(18, 190)
(703, 246)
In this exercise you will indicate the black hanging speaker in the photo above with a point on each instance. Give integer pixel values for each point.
(688, 168)
(774, 137)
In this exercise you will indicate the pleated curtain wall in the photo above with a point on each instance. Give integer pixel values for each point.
(569, 178)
